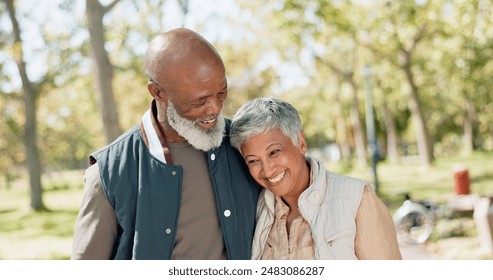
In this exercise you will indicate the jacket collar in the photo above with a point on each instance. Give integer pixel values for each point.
(153, 135)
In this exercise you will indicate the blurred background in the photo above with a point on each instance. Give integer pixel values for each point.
(395, 92)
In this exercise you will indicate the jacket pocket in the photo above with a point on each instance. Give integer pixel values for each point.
(341, 238)
(267, 253)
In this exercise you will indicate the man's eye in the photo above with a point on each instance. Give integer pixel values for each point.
(200, 104)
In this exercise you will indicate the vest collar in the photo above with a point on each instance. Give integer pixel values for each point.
(156, 141)
(310, 200)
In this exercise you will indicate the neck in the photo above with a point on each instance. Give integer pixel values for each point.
(292, 200)
(168, 132)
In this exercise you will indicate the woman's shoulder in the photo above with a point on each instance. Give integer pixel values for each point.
(344, 186)
(342, 179)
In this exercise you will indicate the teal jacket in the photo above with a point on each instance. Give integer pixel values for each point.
(146, 194)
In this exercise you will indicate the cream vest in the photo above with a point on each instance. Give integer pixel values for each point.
(329, 205)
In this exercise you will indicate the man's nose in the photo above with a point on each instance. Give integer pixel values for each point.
(214, 106)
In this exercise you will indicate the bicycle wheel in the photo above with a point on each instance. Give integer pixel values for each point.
(413, 222)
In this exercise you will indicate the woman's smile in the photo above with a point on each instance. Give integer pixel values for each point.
(276, 163)
(278, 178)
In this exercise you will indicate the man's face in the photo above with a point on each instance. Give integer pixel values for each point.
(190, 96)
(199, 137)
(197, 90)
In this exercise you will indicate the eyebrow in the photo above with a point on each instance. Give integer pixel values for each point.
(200, 98)
(268, 147)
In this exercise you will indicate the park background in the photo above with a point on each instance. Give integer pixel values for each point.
(401, 89)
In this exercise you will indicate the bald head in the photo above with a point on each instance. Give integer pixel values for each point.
(177, 49)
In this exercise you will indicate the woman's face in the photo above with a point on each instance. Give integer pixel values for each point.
(276, 163)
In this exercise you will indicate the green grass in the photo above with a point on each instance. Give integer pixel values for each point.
(25, 234)
(435, 183)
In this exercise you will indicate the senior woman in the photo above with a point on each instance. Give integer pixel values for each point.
(305, 211)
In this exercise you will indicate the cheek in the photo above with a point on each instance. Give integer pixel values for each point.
(254, 171)
(188, 114)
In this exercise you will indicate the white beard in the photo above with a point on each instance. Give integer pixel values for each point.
(199, 138)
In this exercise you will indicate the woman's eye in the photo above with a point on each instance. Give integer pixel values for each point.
(275, 152)
(252, 162)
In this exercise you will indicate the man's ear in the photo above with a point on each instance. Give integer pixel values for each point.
(154, 90)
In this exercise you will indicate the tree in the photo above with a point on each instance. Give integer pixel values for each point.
(469, 52)
(425, 145)
(396, 36)
(95, 12)
(348, 76)
(11, 147)
(327, 33)
(244, 81)
(391, 112)
(342, 31)
(30, 128)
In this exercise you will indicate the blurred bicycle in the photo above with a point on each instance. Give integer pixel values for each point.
(414, 220)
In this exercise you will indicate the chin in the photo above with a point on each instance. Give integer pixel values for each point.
(277, 192)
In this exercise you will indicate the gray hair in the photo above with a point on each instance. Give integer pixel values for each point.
(263, 114)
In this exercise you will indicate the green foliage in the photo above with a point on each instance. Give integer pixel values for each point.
(70, 130)
(11, 150)
(132, 96)
(245, 80)
(449, 44)
(325, 42)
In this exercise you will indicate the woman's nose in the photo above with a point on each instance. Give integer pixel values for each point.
(268, 168)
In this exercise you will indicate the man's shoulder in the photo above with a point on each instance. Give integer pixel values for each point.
(126, 136)
(130, 133)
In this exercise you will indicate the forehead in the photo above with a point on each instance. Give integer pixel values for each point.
(266, 139)
(194, 79)
(208, 79)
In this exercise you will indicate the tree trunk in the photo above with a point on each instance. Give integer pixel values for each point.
(357, 127)
(103, 68)
(30, 130)
(359, 135)
(425, 147)
(392, 152)
(469, 119)
(341, 132)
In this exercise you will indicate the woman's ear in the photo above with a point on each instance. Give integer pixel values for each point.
(302, 142)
